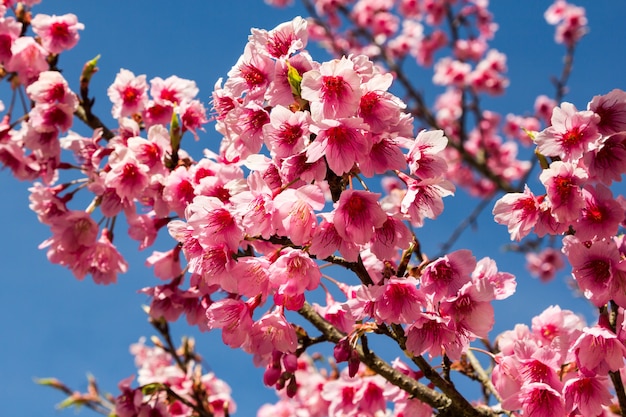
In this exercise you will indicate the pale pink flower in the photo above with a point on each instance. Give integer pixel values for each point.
(287, 133)
(326, 241)
(378, 108)
(51, 87)
(28, 59)
(282, 41)
(128, 93)
(272, 332)
(487, 278)
(50, 117)
(193, 116)
(294, 272)
(556, 324)
(172, 90)
(424, 199)
(544, 107)
(598, 351)
(471, 310)
(449, 72)
(102, 260)
(57, 33)
(607, 163)
(250, 277)
(571, 134)
(385, 155)
(424, 157)
(564, 182)
(233, 317)
(430, 333)
(294, 214)
(251, 75)
(127, 176)
(10, 30)
(166, 264)
(389, 238)
(72, 231)
(213, 223)
(519, 211)
(178, 191)
(334, 90)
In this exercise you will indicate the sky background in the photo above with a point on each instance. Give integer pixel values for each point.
(54, 325)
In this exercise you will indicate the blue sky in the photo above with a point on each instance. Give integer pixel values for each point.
(57, 326)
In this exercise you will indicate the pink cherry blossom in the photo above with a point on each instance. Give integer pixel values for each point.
(572, 133)
(544, 264)
(57, 33)
(424, 157)
(343, 142)
(587, 395)
(282, 41)
(563, 182)
(598, 351)
(28, 59)
(128, 93)
(519, 211)
(447, 275)
(357, 215)
(611, 108)
(334, 90)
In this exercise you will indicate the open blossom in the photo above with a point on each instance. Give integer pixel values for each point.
(282, 41)
(519, 211)
(128, 93)
(343, 142)
(28, 59)
(334, 90)
(424, 157)
(357, 215)
(598, 351)
(57, 33)
(287, 133)
(445, 276)
(563, 182)
(571, 134)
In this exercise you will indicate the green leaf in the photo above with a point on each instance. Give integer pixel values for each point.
(295, 79)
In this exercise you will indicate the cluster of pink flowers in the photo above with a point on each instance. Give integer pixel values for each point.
(257, 224)
(157, 368)
(588, 152)
(559, 366)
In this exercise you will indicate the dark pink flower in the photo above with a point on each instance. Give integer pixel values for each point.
(357, 215)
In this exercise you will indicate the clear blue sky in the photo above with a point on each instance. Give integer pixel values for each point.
(54, 325)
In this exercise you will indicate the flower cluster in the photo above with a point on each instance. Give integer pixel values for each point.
(588, 153)
(559, 366)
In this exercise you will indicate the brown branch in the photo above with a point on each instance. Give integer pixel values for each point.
(455, 405)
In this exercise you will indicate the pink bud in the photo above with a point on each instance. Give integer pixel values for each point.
(290, 362)
(271, 376)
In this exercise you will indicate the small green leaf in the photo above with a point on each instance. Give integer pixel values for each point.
(295, 79)
(150, 389)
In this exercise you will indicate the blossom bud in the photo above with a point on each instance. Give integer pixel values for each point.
(292, 387)
(271, 376)
(290, 362)
(342, 351)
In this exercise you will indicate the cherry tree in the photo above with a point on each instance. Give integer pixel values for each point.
(302, 232)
